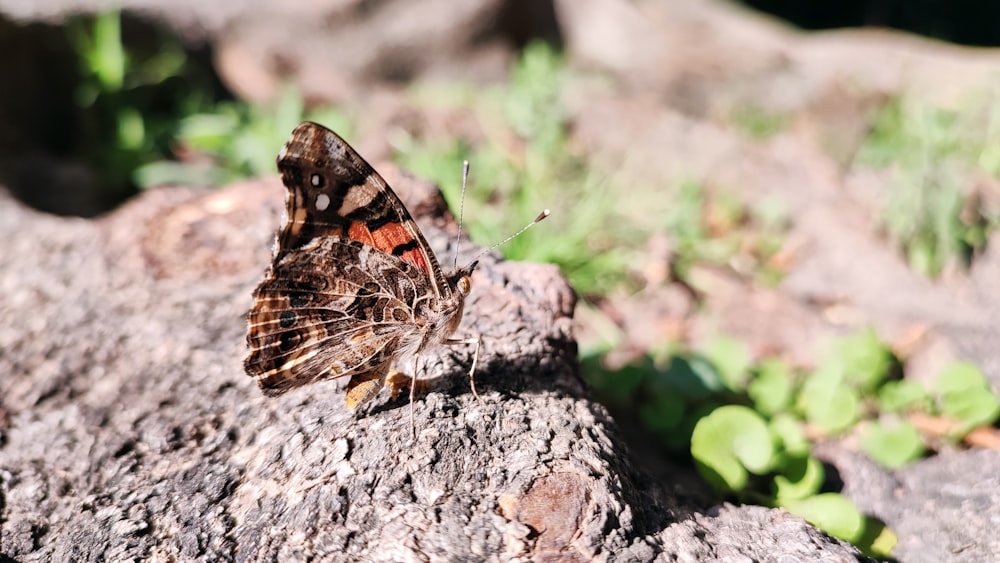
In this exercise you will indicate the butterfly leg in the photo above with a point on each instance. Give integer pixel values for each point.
(363, 387)
(475, 361)
(413, 389)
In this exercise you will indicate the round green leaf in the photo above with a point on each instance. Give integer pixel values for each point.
(771, 389)
(957, 377)
(731, 358)
(866, 360)
(828, 403)
(898, 396)
(800, 477)
(790, 434)
(831, 512)
(892, 444)
(962, 393)
(730, 442)
(877, 540)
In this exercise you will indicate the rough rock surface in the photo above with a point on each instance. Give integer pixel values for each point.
(131, 432)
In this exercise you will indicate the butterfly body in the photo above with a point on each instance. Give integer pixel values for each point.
(353, 287)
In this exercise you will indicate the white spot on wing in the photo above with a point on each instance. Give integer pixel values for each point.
(315, 180)
(322, 202)
(358, 197)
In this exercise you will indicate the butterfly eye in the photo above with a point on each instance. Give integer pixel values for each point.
(464, 285)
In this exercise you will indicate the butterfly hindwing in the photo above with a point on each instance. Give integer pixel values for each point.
(333, 308)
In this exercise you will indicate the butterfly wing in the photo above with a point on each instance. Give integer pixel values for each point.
(332, 308)
(353, 285)
(332, 191)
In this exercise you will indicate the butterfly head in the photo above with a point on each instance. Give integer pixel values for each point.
(461, 280)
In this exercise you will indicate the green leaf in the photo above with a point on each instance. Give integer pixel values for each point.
(664, 414)
(830, 512)
(731, 357)
(772, 388)
(619, 384)
(827, 402)
(901, 395)
(958, 377)
(108, 57)
(693, 378)
(729, 443)
(877, 540)
(865, 359)
(679, 440)
(792, 438)
(923, 257)
(171, 173)
(892, 444)
(208, 131)
(800, 477)
(962, 393)
(533, 106)
(131, 130)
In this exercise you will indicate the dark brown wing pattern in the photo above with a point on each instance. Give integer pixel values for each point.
(333, 191)
(333, 308)
(353, 286)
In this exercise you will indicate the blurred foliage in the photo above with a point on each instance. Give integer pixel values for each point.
(130, 100)
(932, 156)
(758, 123)
(235, 140)
(527, 162)
(749, 426)
(153, 117)
(718, 229)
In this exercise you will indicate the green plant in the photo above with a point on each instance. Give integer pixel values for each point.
(961, 393)
(758, 123)
(892, 442)
(749, 426)
(144, 104)
(527, 164)
(851, 368)
(129, 98)
(933, 154)
(234, 140)
(721, 230)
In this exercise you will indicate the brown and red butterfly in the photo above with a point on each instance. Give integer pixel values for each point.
(353, 287)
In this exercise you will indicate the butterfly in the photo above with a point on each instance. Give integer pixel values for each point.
(353, 287)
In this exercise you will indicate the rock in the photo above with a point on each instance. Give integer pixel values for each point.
(944, 508)
(133, 432)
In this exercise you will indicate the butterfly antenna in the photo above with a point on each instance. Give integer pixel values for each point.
(461, 209)
(541, 217)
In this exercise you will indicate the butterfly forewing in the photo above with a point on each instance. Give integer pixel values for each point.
(333, 191)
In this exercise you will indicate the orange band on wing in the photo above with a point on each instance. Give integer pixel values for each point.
(416, 258)
(391, 238)
(359, 231)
